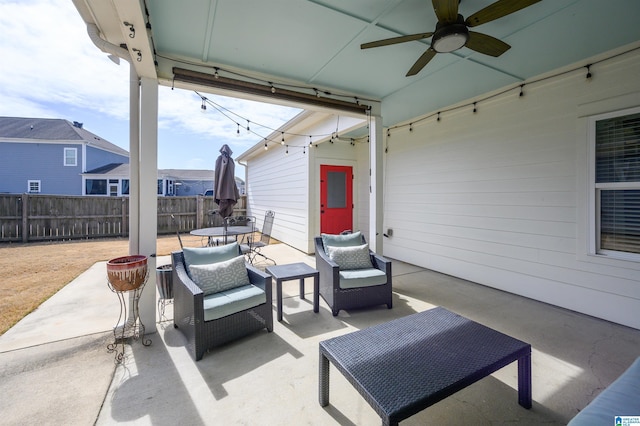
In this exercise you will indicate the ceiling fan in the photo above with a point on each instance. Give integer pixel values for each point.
(452, 31)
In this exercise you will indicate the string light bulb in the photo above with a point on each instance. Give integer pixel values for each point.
(589, 75)
(215, 73)
(203, 107)
(287, 151)
(248, 129)
(438, 115)
(475, 108)
(310, 141)
(266, 147)
(411, 127)
(273, 89)
(238, 132)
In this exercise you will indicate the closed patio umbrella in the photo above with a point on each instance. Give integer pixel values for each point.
(225, 191)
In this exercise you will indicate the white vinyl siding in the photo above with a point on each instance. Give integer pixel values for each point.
(500, 197)
(279, 182)
(616, 184)
(71, 156)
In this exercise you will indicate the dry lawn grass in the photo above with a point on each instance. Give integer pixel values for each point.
(34, 272)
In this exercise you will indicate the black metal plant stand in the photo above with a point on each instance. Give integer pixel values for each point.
(132, 326)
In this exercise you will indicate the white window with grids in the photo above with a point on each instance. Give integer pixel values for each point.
(615, 159)
(33, 186)
(71, 156)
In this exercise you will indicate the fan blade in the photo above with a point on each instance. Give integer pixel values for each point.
(446, 10)
(395, 40)
(497, 10)
(486, 44)
(421, 62)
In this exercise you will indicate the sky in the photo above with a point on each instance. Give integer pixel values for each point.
(49, 68)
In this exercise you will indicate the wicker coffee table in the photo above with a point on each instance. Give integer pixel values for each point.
(406, 365)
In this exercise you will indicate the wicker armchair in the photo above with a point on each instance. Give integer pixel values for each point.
(189, 315)
(338, 297)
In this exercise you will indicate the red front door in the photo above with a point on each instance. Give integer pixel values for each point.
(336, 199)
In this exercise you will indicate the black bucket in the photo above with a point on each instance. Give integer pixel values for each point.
(164, 281)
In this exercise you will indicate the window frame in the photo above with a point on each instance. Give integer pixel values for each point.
(596, 189)
(37, 182)
(104, 184)
(75, 157)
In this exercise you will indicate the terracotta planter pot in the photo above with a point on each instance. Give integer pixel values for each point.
(127, 273)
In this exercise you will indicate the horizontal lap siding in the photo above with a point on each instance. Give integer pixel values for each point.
(492, 197)
(279, 182)
(43, 162)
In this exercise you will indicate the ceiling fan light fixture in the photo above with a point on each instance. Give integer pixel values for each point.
(449, 38)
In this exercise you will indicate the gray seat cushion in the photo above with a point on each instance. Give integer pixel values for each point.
(229, 302)
(207, 255)
(354, 278)
(620, 398)
(346, 240)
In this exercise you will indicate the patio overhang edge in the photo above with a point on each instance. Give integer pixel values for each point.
(225, 83)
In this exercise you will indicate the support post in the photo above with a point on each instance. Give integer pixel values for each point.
(148, 207)
(376, 181)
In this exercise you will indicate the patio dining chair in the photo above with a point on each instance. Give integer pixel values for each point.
(175, 222)
(252, 246)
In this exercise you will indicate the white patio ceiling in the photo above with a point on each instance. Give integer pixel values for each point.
(316, 44)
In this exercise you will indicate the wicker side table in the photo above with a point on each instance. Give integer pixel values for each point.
(295, 271)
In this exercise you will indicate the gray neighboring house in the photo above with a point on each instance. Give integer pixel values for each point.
(58, 157)
(49, 156)
(113, 180)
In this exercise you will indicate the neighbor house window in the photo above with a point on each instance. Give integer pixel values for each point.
(616, 183)
(125, 186)
(33, 186)
(71, 156)
(96, 187)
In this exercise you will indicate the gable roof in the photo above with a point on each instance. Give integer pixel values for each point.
(53, 129)
(119, 170)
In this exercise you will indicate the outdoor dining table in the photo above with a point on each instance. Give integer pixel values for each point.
(222, 231)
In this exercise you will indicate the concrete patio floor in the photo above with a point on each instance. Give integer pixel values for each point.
(55, 368)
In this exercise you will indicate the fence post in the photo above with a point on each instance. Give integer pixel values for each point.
(199, 211)
(25, 218)
(123, 228)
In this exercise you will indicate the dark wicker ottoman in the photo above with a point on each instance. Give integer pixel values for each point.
(406, 365)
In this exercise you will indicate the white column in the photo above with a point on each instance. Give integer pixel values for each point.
(148, 206)
(376, 183)
(134, 160)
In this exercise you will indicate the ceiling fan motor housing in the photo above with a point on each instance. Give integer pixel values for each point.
(450, 37)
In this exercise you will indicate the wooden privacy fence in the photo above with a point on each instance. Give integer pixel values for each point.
(28, 217)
